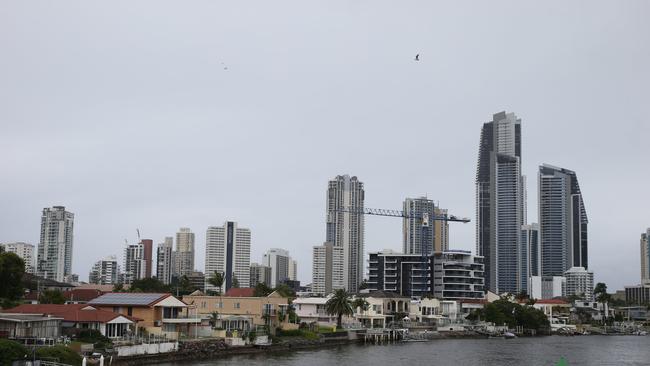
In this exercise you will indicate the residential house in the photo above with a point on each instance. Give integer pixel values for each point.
(29, 328)
(394, 307)
(76, 317)
(159, 313)
(313, 310)
(241, 312)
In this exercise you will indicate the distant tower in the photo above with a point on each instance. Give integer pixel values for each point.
(164, 260)
(645, 257)
(530, 258)
(500, 203)
(184, 254)
(228, 251)
(420, 230)
(55, 246)
(327, 269)
(26, 252)
(562, 221)
(105, 272)
(135, 264)
(280, 263)
(346, 229)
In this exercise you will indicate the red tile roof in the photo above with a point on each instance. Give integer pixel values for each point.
(551, 302)
(69, 312)
(241, 292)
(84, 295)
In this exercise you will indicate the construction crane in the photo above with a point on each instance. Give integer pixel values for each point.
(424, 217)
(396, 213)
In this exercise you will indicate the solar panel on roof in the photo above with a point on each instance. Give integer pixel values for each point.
(123, 298)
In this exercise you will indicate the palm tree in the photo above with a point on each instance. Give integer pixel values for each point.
(360, 303)
(339, 305)
(217, 281)
(214, 317)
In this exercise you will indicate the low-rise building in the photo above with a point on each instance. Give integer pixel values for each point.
(637, 295)
(29, 327)
(404, 274)
(458, 275)
(82, 316)
(390, 305)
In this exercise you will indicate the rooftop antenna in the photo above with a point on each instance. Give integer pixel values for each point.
(138, 230)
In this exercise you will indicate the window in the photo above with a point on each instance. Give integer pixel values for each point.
(236, 305)
(129, 311)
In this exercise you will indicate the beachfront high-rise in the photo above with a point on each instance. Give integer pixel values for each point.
(346, 229)
(228, 251)
(562, 221)
(529, 254)
(55, 247)
(645, 257)
(183, 257)
(164, 260)
(500, 197)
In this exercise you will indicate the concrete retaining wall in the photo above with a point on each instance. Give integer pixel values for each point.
(147, 349)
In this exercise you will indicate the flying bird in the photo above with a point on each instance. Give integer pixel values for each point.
(417, 57)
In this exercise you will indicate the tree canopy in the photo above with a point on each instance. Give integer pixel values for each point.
(12, 269)
(51, 297)
(217, 280)
(261, 290)
(11, 351)
(149, 284)
(503, 311)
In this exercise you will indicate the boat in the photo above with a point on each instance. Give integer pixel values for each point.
(508, 335)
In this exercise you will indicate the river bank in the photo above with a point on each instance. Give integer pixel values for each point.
(217, 349)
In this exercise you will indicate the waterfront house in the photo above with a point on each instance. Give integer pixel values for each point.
(314, 310)
(241, 313)
(426, 310)
(161, 314)
(393, 307)
(29, 328)
(76, 317)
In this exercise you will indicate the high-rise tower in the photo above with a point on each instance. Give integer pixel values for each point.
(228, 251)
(183, 257)
(164, 260)
(417, 229)
(645, 257)
(55, 247)
(500, 197)
(562, 221)
(346, 229)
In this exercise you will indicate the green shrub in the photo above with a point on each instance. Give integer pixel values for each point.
(61, 354)
(298, 333)
(10, 351)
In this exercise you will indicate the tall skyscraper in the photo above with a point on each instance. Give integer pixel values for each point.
(164, 260)
(562, 221)
(346, 229)
(530, 259)
(105, 272)
(26, 252)
(500, 202)
(228, 251)
(280, 262)
(55, 246)
(135, 264)
(328, 270)
(420, 231)
(183, 257)
(441, 230)
(645, 257)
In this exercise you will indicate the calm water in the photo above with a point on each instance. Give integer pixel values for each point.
(578, 351)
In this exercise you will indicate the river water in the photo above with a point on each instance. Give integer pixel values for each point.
(547, 351)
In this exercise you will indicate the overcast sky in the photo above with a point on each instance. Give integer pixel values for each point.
(158, 115)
